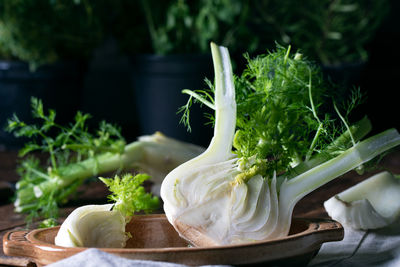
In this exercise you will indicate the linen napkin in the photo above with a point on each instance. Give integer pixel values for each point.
(362, 248)
(96, 258)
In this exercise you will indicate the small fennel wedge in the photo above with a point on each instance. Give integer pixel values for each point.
(371, 204)
(104, 225)
(226, 196)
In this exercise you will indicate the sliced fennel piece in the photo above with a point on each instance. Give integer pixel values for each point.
(93, 226)
(104, 225)
(371, 204)
(208, 206)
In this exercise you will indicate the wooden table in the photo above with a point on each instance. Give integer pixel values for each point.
(310, 206)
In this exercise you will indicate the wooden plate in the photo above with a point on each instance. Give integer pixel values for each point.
(155, 239)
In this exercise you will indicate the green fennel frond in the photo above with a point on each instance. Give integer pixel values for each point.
(45, 185)
(197, 96)
(129, 195)
(282, 119)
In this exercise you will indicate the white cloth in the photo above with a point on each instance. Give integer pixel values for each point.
(96, 258)
(362, 248)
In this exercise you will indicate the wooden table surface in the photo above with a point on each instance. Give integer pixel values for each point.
(311, 206)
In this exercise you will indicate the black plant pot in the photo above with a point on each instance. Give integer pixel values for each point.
(59, 86)
(158, 82)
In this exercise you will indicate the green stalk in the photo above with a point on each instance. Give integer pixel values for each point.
(199, 98)
(80, 171)
(291, 191)
(359, 130)
(320, 126)
(102, 163)
(344, 122)
(314, 141)
(348, 160)
(225, 107)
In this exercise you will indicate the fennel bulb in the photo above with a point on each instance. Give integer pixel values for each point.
(371, 204)
(93, 226)
(223, 197)
(104, 225)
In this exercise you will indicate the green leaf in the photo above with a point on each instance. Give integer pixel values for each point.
(129, 195)
(28, 148)
(48, 223)
(37, 108)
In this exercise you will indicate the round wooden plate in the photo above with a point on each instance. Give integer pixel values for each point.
(155, 239)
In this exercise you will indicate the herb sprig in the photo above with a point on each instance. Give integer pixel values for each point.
(129, 195)
(73, 155)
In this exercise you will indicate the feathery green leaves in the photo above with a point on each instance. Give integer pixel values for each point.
(129, 195)
(282, 113)
(45, 185)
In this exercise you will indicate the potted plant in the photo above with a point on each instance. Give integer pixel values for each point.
(176, 56)
(45, 45)
(334, 33)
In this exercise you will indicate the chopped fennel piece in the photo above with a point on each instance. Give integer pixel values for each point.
(103, 226)
(93, 226)
(218, 198)
(371, 204)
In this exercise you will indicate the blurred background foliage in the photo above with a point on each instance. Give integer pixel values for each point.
(108, 33)
(189, 26)
(46, 31)
(329, 31)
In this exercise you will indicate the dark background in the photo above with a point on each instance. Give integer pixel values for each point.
(108, 94)
(380, 78)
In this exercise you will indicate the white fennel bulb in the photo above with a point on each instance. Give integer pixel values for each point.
(219, 198)
(371, 204)
(93, 226)
(103, 226)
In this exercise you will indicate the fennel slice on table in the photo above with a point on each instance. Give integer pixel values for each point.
(371, 204)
